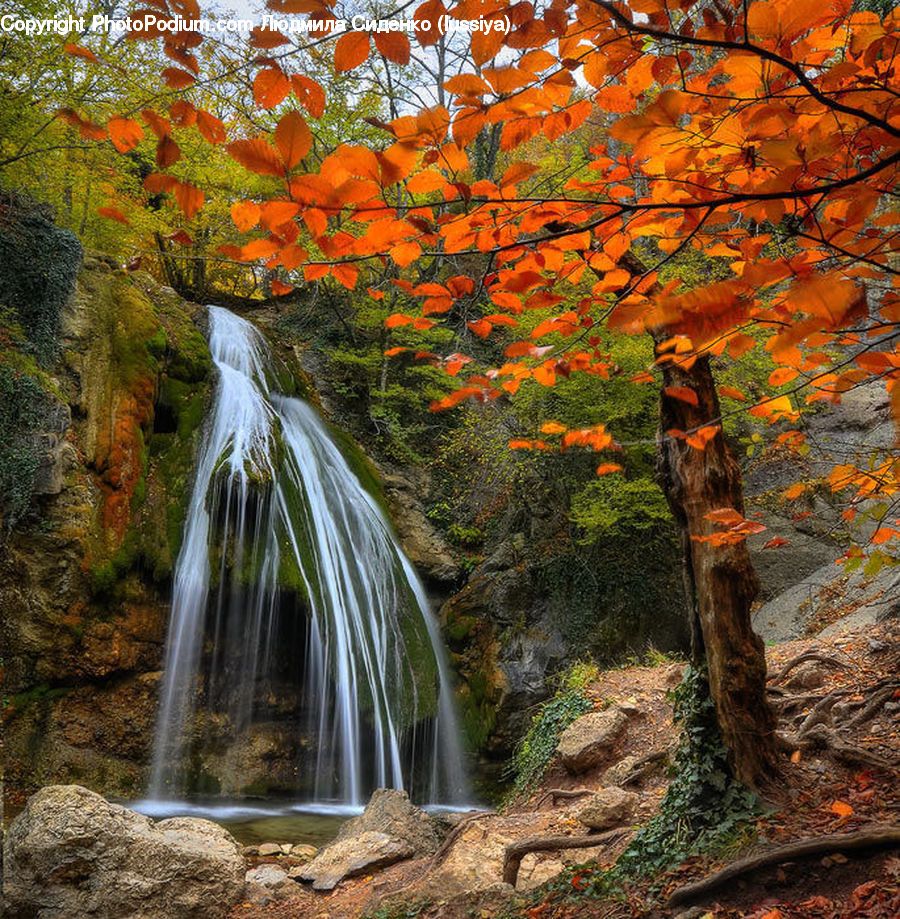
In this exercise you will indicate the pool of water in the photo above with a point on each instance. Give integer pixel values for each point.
(254, 822)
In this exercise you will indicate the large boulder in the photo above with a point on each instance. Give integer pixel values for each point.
(588, 741)
(71, 853)
(345, 858)
(390, 811)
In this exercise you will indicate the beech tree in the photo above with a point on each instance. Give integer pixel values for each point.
(761, 134)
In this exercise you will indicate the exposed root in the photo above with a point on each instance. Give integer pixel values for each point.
(874, 837)
(872, 706)
(645, 765)
(555, 794)
(802, 659)
(454, 834)
(819, 736)
(512, 860)
(821, 712)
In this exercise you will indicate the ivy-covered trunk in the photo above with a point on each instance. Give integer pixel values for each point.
(720, 580)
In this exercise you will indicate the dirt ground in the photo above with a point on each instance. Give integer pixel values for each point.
(837, 700)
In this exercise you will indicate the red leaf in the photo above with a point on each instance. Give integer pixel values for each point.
(167, 152)
(81, 51)
(177, 78)
(394, 46)
(245, 215)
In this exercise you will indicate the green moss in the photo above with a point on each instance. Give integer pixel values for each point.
(39, 694)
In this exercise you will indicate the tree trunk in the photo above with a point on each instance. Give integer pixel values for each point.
(720, 580)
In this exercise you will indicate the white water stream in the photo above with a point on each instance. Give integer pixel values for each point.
(275, 501)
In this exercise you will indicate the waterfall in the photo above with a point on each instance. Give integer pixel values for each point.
(288, 564)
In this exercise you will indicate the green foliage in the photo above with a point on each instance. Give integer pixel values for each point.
(535, 750)
(24, 403)
(704, 810)
(38, 267)
(410, 909)
(609, 507)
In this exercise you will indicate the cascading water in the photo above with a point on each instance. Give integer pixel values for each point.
(275, 503)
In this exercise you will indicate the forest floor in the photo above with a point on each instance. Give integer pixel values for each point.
(837, 700)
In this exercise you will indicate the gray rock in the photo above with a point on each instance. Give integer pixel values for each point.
(71, 853)
(421, 541)
(588, 740)
(810, 675)
(266, 883)
(607, 808)
(369, 851)
(389, 811)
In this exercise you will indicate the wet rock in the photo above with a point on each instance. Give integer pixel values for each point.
(588, 740)
(268, 849)
(390, 812)
(72, 853)
(303, 851)
(367, 852)
(607, 808)
(424, 545)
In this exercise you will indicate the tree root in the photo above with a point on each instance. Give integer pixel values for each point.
(553, 794)
(802, 659)
(454, 834)
(641, 767)
(872, 706)
(820, 736)
(871, 838)
(512, 859)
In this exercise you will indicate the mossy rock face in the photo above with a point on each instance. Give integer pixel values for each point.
(38, 267)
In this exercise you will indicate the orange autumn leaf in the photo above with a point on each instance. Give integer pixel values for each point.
(257, 156)
(245, 215)
(842, 809)
(113, 213)
(394, 46)
(684, 393)
(80, 51)
(351, 50)
(270, 87)
(210, 127)
(293, 139)
(167, 152)
(607, 468)
(189, 198)
(125, 133)
(176, 78)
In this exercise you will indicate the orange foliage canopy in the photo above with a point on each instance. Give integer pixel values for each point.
(764, 134)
